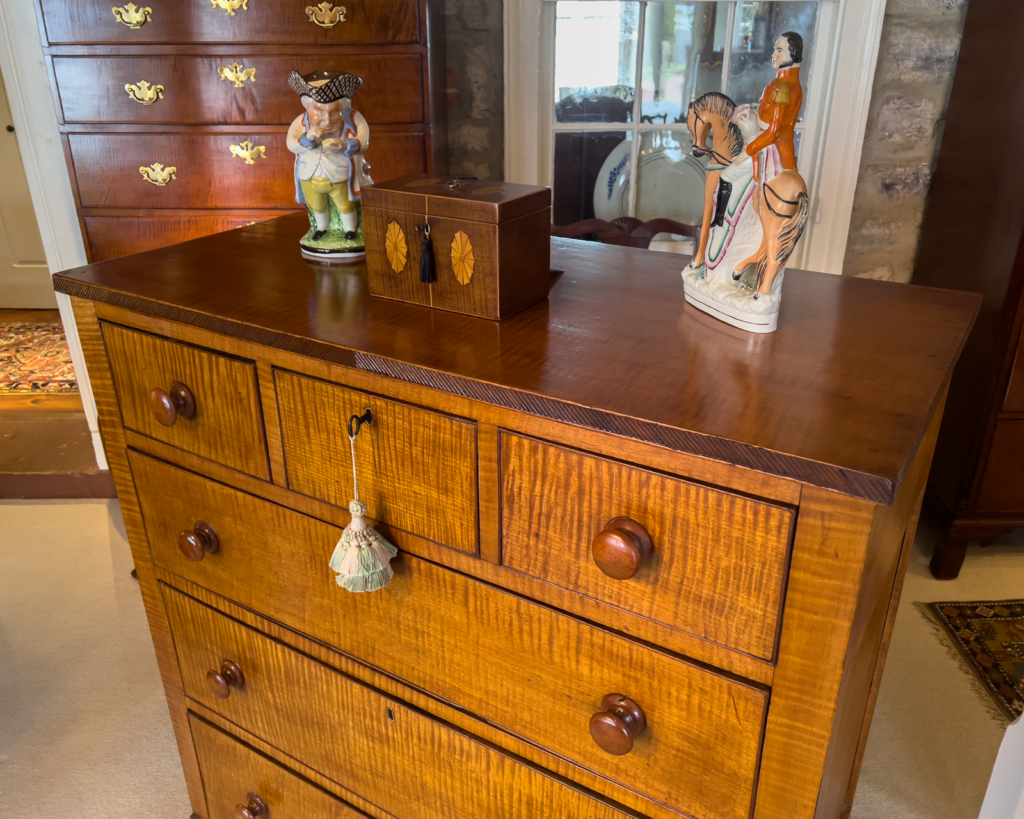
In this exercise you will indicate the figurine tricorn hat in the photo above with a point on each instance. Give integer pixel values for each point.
(325, 86)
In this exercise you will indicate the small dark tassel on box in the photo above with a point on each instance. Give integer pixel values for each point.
(428, 269)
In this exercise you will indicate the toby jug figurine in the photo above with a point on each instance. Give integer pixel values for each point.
(329, 141)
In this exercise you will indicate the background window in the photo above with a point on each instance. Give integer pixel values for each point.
(624, 74)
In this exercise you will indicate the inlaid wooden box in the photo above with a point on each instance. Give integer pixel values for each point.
(491, 243)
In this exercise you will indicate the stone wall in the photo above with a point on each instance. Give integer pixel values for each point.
(916, 61)
(474, 42)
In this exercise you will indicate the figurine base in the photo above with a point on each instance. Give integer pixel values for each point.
(727, 302)
(333, 256)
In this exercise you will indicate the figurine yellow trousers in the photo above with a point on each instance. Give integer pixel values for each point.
(317, 189)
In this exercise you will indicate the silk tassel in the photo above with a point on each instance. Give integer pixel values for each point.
(362, 556)
(428, 267)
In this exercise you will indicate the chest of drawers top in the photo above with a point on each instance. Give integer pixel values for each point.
(838, 398)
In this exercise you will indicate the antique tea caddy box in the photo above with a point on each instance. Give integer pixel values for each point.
(490, 243)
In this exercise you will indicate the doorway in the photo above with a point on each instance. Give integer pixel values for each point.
(46, 448)
(24, 276)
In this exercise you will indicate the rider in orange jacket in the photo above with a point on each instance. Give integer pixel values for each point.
(780, 102)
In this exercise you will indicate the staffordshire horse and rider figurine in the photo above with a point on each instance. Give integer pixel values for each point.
(736, 274)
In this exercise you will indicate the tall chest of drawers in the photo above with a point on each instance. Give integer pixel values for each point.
(648, 565)
(176, 84)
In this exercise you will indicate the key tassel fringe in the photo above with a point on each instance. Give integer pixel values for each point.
(362, 556)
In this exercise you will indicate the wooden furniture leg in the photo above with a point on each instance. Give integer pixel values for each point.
(949, 556)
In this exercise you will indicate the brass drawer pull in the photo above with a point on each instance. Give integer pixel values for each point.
(144, 93)
(325, 15)
(621, 548)
(231, 6)
(157, 174)
(200, 542)
(249, 152)
(237, 73)
(256, 809)
(617, 724)
(221, 682)
(132, 16)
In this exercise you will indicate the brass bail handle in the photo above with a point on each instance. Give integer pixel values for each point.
(359, 420)
(459, 181)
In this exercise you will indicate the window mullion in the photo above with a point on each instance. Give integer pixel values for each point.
(638, 98)
(730, 31)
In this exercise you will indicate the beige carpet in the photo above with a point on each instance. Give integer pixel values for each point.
(84, 730)
(934, 740)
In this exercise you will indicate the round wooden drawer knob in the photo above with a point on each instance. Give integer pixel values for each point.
(621, 548)
(221, 682)
(617, 724)
(201, 540)
(167, 406)
(256, 808)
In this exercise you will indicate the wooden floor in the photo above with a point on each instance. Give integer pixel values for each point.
(46, 448)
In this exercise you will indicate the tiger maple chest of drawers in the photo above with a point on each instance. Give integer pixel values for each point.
(648, 563)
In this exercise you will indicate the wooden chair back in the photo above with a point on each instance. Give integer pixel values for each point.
(626, 230)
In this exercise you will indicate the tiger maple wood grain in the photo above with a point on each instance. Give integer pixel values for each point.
(527, 668)
(614, 370)
(719, 559)
(614, 348)
(389, 685)
(231, 771)
(228, 422)
(398, 759)
(417, 469)
(109, 417)
(485, 568)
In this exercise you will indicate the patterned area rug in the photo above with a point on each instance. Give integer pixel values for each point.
(35, 359)
(989, 636)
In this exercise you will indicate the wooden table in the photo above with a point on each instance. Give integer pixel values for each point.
(649, 563)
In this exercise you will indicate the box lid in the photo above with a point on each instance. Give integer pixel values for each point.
(476, 200)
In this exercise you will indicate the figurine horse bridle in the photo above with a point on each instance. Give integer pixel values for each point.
(700, 151)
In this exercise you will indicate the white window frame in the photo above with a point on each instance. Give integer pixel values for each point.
(845, 47)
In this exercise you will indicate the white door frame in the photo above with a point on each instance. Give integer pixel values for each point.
(35, 122)
(853, 45)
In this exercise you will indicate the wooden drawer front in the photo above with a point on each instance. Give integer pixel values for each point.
(208, 175)
(265, 21)
(113, 236)
(1002, 486)
(92, 89)
(417, 468)
(718, 563)
(228, 423)
(231, 771)
(400, 760)
(522, 666)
